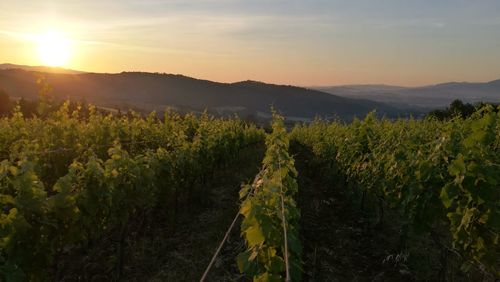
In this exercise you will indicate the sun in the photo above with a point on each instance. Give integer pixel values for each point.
(53, 48)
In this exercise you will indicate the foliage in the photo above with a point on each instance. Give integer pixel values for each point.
(262, 227)
(439, 174)
(457, 109)
(66, 181)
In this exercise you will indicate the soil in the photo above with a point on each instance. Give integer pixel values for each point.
(340, 243)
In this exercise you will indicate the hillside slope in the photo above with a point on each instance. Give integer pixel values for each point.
(151, 91)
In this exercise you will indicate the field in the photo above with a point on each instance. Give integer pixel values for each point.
(97, 197)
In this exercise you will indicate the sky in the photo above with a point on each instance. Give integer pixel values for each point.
(298, 42)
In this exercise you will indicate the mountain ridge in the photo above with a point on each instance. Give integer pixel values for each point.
(427, 96)
(155, 91)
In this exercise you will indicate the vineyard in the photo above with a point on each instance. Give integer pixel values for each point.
(67, 182)
(99, 197)
(442, 178)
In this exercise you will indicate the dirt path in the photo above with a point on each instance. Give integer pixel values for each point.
(184, 255)
(340, 244)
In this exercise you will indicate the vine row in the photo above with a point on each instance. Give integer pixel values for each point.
(442, 176)
(271, 216)
(53, 204)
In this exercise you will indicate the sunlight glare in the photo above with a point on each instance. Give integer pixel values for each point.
(53, 49)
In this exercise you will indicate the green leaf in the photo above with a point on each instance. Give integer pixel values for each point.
(13, 170)
(448, 194)
(245, 263)
(457, 167)
(245, 208)
(276, 265)
(467, 217)
(244, 191)
(7, 199)
(254, 235)
(268, 277)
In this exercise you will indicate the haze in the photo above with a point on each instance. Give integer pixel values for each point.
(288, 42)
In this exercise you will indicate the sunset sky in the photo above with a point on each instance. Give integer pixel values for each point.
(300, 42)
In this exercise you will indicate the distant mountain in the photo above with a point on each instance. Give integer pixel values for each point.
(431, 96)
(363, 88)
(38, 69)
(150, 91)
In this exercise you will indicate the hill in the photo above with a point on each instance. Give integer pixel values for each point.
(432, 96)
(38, 68)
(153, 91)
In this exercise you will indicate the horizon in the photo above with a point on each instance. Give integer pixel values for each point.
(321, 43)
(266, 82)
